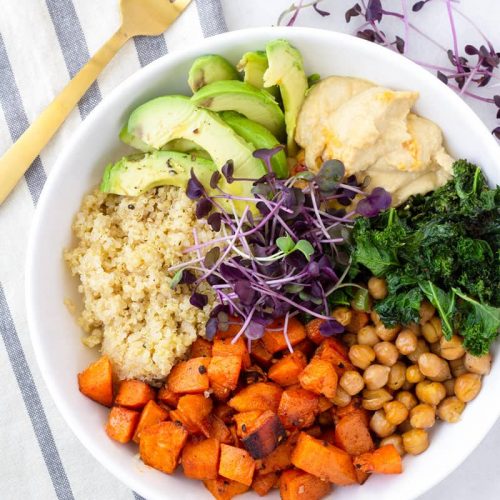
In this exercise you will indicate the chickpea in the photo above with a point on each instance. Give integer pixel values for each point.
(414, 375)
(395, 412)
(435, 348)
(388, 334)
(386, 353)
(432, 330)
(376, 376)
(342, 398)
(467, 386)
(343, 315)
(377, 288)
(449, 385)
(374, 400)
(422, 347)
(352, 382)
(450, 409)
(407, 386)
(429, 392)
(426, 312)
(434, 367)
(368, 336)
(375, 318)
(478, 364)
(422, 416)
(458, 367)
(406, 342)
(453, 348)
(415, 441)
(380, 425)
(407, 398)
(350, 339)
(396, 376)
(361, 356)
(396, 440)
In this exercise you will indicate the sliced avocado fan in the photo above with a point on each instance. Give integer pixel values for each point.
(256, 104)
(136, 174)
(286, 69)
(253, 65)
(260, 137)
(208, 69)
(133, 141)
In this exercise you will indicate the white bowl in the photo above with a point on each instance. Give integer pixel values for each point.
(55, 334)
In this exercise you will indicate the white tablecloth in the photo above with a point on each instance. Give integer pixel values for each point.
(42, 43)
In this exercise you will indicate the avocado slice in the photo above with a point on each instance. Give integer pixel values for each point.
(131, 140)
(286, 69)
(172, 117)
(253, 65)
(186, 146)
(256, 104)
(208, 69)
(260, 137)
(134, 175)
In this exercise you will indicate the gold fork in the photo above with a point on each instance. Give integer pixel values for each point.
(139, 17)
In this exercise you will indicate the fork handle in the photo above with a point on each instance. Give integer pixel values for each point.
(17, 159)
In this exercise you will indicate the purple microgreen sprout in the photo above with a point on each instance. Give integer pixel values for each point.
(331, 327)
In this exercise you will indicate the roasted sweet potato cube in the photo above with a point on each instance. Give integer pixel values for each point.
(151, 414)
(324, 404)
(261, 396)
(200, 348)
(353, 435)
(355, 406)
(236, 464)
(264, 435)
(224, 371)
(323, 460)
(225, 347)
(280, 459)
(224, 489)
(219, 430)
(274, 338)
(121, 424)
(193, 411)
(168, 397)
(384, 460)
(329, 435)
(224, 412)
(96, 381)
(320, 377)
(134, 394)
(260, 354)
(263, 483)
(298, 408)
(161, 445)
(334, 351)
(189, 377)
(306, 347)
(361, 476)
(313, 330)
(286, 371)
(299, 485)
(314, 431)
(245, 421)
(201, 460)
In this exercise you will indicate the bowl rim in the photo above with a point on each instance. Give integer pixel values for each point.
(90, 122)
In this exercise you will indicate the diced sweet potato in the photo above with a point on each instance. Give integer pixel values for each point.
(353, 435)
(193, 411)
(234, 326)
(236, 464)
(225, 347)
(201, 460)
(200, 348)
(298, 408)
(219, 430)
(263, 483)
(323, 460)
(384, 460)
(280, 458)
(306, 347)
(320, 377)
(134, 394)
(245, 421)
(224, 489)
(314, 431)
(329, 435)
(264, 435)
(151, 414)
(168, 397)
(189, 377)
(359, 319)
(334, 351)
(324, 404)
(261, 396)
(274, 337)
(260, 354)
(224, 412)
(299, 485)
(286, 371)
(224, 371)
(161, 445)
(313, 330)
(96, 381)
(355, 406)
(361, 476)
(121, 424)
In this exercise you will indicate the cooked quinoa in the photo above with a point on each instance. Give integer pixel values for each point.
(124, 249)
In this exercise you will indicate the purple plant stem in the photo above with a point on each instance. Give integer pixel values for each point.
(404, 4)
(453, 34)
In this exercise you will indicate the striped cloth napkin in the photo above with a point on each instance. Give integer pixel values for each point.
(42, 44)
